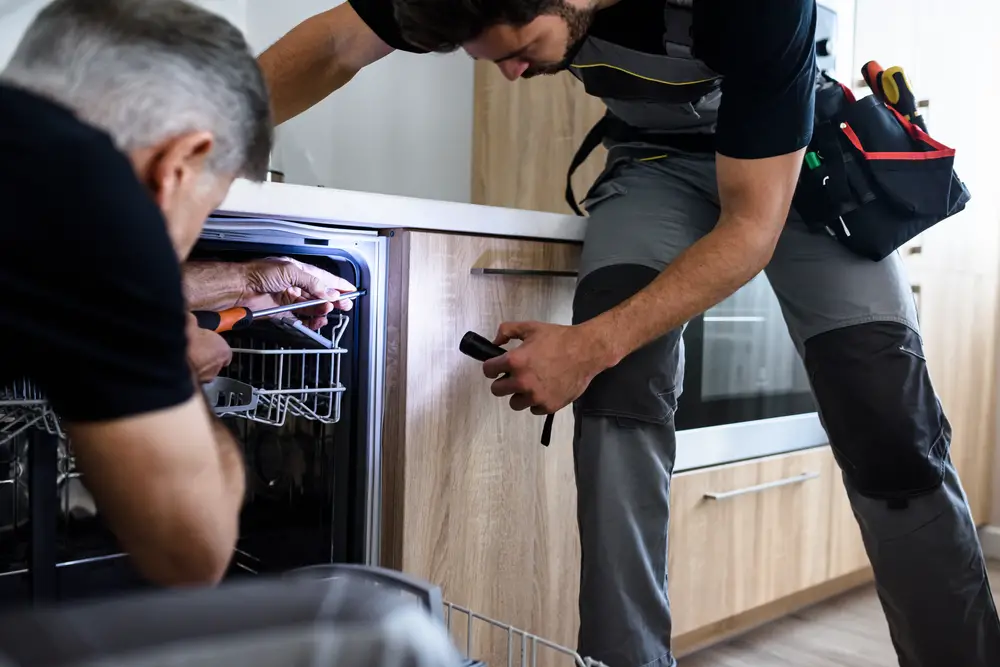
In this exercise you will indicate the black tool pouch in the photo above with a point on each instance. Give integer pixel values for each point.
(872, 178)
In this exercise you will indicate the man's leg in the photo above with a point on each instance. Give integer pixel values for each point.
(855, 324)
(642, 216)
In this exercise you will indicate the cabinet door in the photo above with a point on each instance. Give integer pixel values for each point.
(480, 507)
(746, 534)
(958, 311)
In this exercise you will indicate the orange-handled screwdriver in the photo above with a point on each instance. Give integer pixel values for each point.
(872, 73)
(234, 319)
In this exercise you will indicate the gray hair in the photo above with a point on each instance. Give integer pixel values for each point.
(146, 70)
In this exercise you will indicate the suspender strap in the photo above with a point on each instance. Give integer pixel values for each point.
(590, 142)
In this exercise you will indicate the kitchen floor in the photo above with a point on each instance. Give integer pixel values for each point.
(848, 631)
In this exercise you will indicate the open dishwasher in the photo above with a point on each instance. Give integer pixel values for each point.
(306, 408)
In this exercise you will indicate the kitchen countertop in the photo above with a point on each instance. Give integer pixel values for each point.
(368, 210)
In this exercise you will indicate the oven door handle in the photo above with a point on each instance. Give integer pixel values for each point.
(787, 481)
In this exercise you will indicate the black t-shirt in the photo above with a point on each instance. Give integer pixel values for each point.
(91, 304)
(764, 50)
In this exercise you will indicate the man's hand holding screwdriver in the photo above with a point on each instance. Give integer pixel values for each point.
(257, 285)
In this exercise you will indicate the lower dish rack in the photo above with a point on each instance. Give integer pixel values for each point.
(482, 641)
(518, 648)
(23, 407)
(49, 520)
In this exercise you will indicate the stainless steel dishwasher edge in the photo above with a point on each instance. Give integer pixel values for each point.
(369, 250)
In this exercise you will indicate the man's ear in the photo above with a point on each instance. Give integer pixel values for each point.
(176, 165)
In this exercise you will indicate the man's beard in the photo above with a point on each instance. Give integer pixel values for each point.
(578, 23)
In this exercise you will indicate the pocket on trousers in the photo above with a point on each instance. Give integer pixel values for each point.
(885, 423)
(605, 187)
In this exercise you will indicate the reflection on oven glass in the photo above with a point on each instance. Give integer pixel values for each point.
(747, 349)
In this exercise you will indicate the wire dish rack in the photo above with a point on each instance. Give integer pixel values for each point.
(270, 378)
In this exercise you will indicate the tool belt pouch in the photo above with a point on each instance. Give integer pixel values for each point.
(879, 181)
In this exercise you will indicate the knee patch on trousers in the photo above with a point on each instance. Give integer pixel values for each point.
(645, 385)
(886, 426)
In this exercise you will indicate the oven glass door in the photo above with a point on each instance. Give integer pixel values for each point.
(741, 364)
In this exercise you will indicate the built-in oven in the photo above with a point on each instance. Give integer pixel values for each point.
(746, 392)
(305, 406)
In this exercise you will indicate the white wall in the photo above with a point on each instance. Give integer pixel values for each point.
(402, 126)
(15, 15)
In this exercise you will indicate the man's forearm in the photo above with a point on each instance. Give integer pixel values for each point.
(231, 470)
(300, 71)
(213, 285)
(230, 464)
(706, 273)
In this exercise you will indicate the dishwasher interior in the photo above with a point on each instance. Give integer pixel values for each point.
(298, 401)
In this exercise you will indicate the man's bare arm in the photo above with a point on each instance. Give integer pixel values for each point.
(170, 485)
(317, 57)
(755, 197)
(213, 285)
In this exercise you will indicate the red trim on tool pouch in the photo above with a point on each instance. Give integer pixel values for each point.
(941, 151)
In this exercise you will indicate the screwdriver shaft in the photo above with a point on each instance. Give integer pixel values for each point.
(305, 304)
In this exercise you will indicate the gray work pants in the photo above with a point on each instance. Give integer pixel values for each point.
(854, 324)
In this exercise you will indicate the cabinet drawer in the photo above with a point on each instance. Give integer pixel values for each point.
(847, 550)
(746, 534)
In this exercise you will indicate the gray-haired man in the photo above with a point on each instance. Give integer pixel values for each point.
(122, 125)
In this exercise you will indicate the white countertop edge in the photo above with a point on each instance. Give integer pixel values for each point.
(349, 208)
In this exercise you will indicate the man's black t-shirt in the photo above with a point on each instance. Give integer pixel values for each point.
(764, 50)
(91, 305)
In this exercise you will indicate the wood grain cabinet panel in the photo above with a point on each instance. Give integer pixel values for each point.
(958, 312)
(525, 134)
(847, 550)
(473, 501)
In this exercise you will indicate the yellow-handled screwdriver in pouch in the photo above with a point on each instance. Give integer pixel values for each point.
(898, 93)
(234, 319)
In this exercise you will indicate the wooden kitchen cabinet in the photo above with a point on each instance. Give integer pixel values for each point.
(847, 553)
(781, 537)
(954, 265)
(472, 501)
(746, 534)
(958, 314)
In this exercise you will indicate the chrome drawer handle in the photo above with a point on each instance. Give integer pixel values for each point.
(788, 481)
(554, 273)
